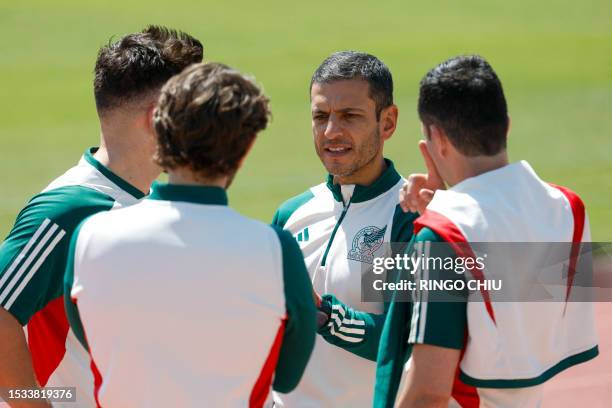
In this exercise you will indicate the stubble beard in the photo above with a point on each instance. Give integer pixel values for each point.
(365, 154)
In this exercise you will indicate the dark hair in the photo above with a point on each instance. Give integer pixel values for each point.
(345, 65)
(464, 97)
(206, 119)
(140, 63)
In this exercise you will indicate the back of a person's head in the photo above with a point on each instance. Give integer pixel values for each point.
(464, 97)
(206, 119)
(139, 64)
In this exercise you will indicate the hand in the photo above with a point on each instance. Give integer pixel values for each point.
(420, 188)
(322, 314)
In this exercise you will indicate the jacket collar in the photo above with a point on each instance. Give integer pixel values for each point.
(387, 180)
(106, 172)
(189, 193)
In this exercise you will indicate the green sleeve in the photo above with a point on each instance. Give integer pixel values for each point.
(439, 317)
(289, 207)
(354, 331)
(300, 330)
(72, 311)
(33, 256)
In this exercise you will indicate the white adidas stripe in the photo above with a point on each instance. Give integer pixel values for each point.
(417, 302)
(343, 337)
(24, 251)
(37, 265)
(344, 321)
(342, 313)
(350, 330)
(24, 267)
(339, 309)
(424, 299)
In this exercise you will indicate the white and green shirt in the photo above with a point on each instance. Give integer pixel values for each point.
(184, 302)
(340, 229)
(509, 348)
(33, 261)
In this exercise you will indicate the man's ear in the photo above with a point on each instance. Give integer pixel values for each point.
(388, 121)
(149, 118)
(439, 141)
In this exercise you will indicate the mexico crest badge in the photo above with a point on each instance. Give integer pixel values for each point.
(366, 242)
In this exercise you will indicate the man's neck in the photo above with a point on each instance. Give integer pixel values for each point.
(129, 156)
(365, 176)
(475, 166)
(187, 177)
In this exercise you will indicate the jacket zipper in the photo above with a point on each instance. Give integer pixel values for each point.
(333, 234)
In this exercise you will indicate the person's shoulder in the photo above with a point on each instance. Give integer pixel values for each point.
(290, 206)
(118, 219)
(68, 204)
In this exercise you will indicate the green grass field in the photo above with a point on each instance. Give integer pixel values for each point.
(554, 59)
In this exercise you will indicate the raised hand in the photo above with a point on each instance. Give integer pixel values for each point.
(420, 188)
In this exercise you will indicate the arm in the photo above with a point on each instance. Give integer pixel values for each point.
(438, 328)
(27, 257)
(299, 335)
(354, 331)
(15, 360)
(430, 378)
(435, 323)
(32, 262)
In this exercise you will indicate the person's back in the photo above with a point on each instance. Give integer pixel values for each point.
(515, 337)
(512, 238)
(199, 285)
(181, 300)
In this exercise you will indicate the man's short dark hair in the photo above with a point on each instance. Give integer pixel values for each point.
(140, 63)
(206, 119)
(345, 65)
(464, 97)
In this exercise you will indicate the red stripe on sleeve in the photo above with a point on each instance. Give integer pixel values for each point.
(261, 389)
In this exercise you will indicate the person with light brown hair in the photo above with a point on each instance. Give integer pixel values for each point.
(128, 76)
(180, 293)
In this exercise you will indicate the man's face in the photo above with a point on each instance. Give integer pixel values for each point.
(344, 125)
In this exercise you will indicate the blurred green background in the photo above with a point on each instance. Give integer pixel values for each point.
(554, 59)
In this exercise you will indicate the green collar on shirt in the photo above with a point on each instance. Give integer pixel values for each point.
(388, 179)
(188, 193)
(106, 172)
